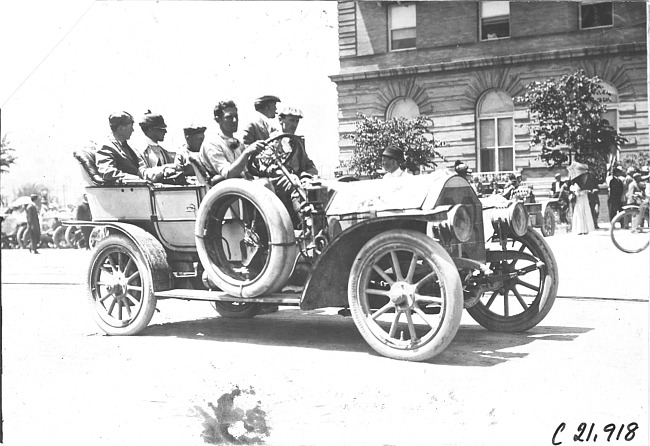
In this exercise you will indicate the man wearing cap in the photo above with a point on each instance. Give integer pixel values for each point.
(116, 160)
(616, 192)
(156, 164)
(260, 128)
(33, 223)
(194, 137)
(225, 156)
(299, 164)
(557, 185)
(391, 158)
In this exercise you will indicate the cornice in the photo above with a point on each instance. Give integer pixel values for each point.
(572, 53)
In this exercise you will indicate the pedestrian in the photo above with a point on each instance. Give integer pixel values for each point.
(116, 160)
(391, 159)
(156, 164)
(594, 205)
(261, 127)
(477, 185)
(33, 223)
(615, 193)
(582, 222)
(82, 213)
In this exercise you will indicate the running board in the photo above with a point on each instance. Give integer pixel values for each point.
(275, 298)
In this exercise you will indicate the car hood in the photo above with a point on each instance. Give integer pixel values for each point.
(392, 194)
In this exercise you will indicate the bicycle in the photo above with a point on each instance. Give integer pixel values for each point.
(629, 231)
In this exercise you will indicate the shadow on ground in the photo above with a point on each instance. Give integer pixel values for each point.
(472, 346)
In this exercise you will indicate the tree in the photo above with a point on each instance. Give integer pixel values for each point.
(568, 115)
(373, 135)
(7, 157)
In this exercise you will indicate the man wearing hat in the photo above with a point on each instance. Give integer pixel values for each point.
(33, 223)
(156, 164)
(225, 156)
(556, 186)
(299, 164)
(116, 160)
(616, 194)
(194, 137)
(391, 158)
(260, 128)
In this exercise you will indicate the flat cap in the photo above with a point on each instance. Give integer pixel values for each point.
(394, 153)
(644, 170)
(120, 118)
(291, 111)
(153, 120)
(630, 170)
(558, 175)
(192, 129)
(267, 98)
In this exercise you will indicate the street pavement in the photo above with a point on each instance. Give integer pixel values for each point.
(314, 378)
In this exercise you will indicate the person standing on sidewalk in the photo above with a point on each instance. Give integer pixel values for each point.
(33, 223)
(615, 198)
(582, 222)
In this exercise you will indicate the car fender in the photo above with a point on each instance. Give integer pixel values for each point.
(327, 286)
(152, 250)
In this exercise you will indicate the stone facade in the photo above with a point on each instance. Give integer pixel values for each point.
(451, 69)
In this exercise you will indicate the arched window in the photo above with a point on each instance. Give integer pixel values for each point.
(403, 108)
(495, 112)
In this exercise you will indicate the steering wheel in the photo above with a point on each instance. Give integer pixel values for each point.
(267, 163)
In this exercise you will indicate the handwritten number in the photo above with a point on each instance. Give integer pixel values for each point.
(630, 431)
(581, 429)
(611, 427)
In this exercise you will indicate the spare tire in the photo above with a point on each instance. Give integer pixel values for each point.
(245, 239)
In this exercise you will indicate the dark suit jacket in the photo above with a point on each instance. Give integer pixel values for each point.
(33, 223)
(115, 163)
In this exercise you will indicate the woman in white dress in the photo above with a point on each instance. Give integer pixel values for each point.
(582, 221)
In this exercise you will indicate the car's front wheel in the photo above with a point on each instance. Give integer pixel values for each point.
(405, 295)
(524, 284)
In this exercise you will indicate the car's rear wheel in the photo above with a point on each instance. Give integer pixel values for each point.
(405, 295)
(527, 287)
(548, 222)
(245, 239)
(236, 310)
(20, 234)
(121, 290)
(70, 234)
(58, 238)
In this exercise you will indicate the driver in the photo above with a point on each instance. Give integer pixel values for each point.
(302, 168)
(225, 156)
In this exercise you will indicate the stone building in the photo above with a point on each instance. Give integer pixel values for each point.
(461, 64)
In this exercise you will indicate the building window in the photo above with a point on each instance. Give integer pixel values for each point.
(496, 132)
(495, 20)
(403, 108)
(401, 23)
(595, 15)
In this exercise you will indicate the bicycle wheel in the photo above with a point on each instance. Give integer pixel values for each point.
(630, 233)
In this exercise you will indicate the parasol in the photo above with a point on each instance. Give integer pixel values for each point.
(586, 181)
(576, 169)
(21, 201)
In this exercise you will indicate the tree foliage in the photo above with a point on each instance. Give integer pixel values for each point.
(567, 117)
(373, 135)
(7, 157)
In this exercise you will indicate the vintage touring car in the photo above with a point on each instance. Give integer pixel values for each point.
(403, 256)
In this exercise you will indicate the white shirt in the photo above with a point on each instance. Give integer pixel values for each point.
(396, 173)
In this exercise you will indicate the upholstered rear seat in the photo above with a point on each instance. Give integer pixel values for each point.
(89, 172)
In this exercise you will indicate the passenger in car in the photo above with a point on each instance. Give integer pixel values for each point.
(391, 158)
(116, 160)
(225, 156)
(261, 127)
(156, 164)
(188, 155)
(302, 168)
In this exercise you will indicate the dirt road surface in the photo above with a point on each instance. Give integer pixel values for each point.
(311, 378)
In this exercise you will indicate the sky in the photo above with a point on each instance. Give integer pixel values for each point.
(66, 66)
